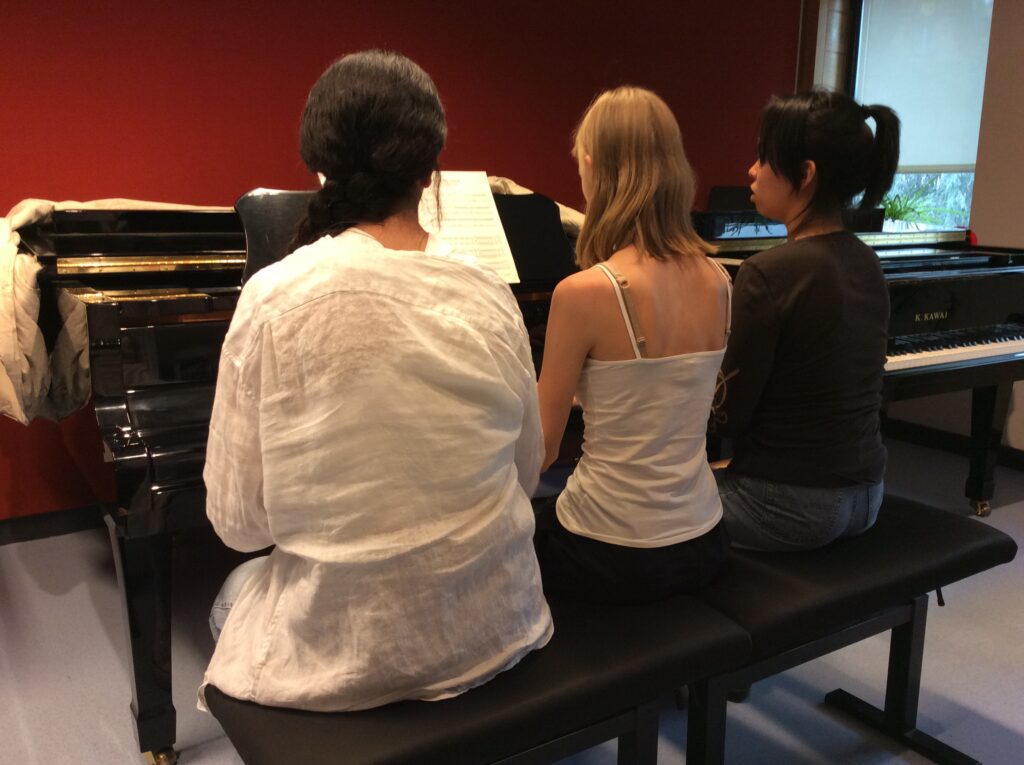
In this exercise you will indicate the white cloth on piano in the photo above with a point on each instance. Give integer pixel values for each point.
(376, 419)
(35, 382)
(24, 367)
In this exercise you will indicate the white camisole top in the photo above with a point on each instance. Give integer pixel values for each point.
(644, 478)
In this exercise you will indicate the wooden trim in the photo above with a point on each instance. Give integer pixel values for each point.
(853, 45)
(807, 47)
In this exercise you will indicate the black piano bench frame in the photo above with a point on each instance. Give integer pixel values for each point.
(607, 671)
(705, 742)
(800, 606)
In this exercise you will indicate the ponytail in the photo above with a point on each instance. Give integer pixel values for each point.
(831, 130)
(885, 154)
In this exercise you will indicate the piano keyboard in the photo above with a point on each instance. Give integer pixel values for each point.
(955, 346)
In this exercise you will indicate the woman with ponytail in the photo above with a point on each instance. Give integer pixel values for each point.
(810, 324)
(376, 421)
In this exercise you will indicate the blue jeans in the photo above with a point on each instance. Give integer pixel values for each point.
(765, 515)
(229, 593)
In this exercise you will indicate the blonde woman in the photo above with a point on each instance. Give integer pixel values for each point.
(638, 337)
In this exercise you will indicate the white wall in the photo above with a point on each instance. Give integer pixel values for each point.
(997, 213)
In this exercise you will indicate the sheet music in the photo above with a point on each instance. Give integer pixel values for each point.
(469, 220)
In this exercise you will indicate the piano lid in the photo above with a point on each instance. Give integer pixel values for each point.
(83, 242)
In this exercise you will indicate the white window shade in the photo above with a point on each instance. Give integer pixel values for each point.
(926, 59)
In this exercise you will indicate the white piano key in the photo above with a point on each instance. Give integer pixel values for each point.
(951, 355)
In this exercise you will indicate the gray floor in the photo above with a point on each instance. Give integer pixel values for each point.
(64, 688)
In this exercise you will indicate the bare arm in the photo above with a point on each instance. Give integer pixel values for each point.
(569, 339)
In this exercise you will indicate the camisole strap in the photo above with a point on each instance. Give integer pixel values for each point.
(728, 298)
(621, 287)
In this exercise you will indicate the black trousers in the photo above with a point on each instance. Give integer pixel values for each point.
(599, 572)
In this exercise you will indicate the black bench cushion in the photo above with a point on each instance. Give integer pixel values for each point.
(786, 599)
(600, 662)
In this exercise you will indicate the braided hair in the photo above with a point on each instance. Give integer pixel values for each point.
(374, 127)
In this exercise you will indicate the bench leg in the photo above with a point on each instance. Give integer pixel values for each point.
(705, 722)
(640, 745)
(903, 683)
(902, 692)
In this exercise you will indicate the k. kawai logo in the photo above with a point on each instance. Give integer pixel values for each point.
(931, 316)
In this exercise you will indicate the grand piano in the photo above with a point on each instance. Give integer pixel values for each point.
(160, 287)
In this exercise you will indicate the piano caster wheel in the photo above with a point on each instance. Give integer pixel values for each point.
(163, 757)
(982, 508)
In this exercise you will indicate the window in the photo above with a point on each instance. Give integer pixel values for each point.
(926, 59)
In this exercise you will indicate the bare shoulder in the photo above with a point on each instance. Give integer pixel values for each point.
(582, 287)
(581, 306)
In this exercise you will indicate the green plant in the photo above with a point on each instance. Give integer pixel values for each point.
(913, 206)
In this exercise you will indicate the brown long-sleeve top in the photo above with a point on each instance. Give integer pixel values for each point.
(808, 347)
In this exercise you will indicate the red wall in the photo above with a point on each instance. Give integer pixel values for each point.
(52, 467)
(198, 101)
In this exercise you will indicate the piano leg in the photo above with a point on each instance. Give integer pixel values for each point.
(989, 407)
(144, 577)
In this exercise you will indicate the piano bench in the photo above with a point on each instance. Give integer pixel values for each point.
(604, 675)
(799, 606)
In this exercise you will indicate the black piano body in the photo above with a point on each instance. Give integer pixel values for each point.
(159, 288)
(956, 321)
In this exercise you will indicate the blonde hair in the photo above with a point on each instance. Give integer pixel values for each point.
(642, 185)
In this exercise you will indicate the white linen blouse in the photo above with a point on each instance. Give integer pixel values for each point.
(376, 420)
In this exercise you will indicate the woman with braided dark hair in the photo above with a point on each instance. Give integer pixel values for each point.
(376, 421)
(373, 127)
(810, 325)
